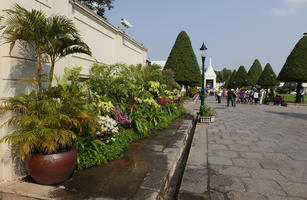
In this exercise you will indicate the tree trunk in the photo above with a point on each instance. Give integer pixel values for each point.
(51, 73)
(39, 72)
(298, 94)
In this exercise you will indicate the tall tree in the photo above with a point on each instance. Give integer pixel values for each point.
(28, 27)
(267, 78)
(254, 73)
(63, 39)
(240, 77)
(295, 68)
(98, 6)
(231, 82)
(222, 76)
(226, 74)
(219, 76)
(182, 61)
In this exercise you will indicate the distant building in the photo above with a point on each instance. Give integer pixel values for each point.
(160, 62)
(210, 76)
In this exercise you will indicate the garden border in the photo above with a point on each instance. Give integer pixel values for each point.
(149, 189)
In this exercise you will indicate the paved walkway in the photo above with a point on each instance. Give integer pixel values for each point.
(258, 152)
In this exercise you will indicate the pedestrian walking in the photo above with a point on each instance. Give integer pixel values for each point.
(241, 96)
(256, 96)
(219, 96)
(262, 92)
(302, 93)
(224, 93)
(234, 98)
(251, 97)
(230, 97)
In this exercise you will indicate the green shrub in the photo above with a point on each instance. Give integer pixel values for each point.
(192, 91)
(94, 152)
(206, 111)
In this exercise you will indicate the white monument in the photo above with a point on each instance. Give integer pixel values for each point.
(210, 76)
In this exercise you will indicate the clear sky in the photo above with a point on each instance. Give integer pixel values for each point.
(235, 31)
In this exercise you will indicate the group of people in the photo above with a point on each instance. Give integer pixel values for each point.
(243, 96)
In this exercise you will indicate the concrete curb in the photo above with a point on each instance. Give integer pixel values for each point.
(296, 105)
(157, 182)
(25, 191)
(194, 184)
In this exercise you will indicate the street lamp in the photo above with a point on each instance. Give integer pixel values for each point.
(271, 86)
(203, 52)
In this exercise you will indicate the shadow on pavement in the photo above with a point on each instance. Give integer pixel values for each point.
(294, 115)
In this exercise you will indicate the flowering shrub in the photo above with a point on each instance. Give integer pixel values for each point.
(119, 116)
(108, 125)
(162, 101)
(181, 99)
(133, 100)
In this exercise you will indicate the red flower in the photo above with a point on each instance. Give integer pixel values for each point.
(165, 103)
(97, 139)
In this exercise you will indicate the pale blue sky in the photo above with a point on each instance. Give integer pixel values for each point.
(235, 31)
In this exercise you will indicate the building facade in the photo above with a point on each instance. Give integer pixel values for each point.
(109, 45)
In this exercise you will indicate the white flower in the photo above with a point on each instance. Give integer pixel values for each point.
(113, 139)
(108, 124)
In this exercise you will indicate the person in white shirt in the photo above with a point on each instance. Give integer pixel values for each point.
(219, 95)
(256, 96)
(262, 92)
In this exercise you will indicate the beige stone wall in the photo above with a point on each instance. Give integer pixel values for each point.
(108, 43)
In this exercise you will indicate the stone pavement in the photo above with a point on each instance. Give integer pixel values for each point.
(257, 152)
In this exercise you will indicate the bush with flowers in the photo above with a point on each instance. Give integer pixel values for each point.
(129, 102)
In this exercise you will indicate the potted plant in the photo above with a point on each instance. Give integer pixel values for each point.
(44, 129)
(207, 114)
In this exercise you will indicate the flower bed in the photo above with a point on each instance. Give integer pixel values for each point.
(103, 115)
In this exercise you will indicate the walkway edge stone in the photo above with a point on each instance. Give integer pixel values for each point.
(195, 178)
(174, 154)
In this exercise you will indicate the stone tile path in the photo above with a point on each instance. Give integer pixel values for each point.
(258, 152)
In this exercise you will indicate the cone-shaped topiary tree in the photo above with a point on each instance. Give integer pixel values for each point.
(254, 73)
(295, 68)
(240, 77)
(183, 62)
(231, 82)
(268, 77)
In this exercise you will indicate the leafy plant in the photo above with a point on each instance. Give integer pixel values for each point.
(49, 122)
(207, 111)
(192, 91)
(40, 126)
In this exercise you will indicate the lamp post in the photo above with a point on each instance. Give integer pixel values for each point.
(271, 86)
(203, 52)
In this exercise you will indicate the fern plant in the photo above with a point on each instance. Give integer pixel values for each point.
(46, 124)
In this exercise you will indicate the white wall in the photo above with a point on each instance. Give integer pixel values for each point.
(108, 43)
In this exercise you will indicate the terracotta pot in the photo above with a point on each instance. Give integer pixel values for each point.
(52, 169)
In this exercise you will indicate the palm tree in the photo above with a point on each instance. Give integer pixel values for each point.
(51, 38)
(62, 39)
(27, 27)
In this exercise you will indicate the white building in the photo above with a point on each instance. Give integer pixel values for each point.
(159, 62)
(108, 44)
(210, 76)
